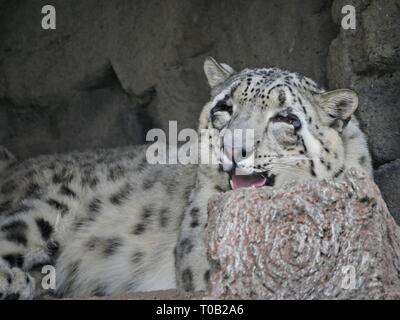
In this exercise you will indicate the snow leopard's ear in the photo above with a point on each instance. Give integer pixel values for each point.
(338, 106)
(216, 73)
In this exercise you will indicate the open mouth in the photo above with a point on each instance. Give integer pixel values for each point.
(255, 180)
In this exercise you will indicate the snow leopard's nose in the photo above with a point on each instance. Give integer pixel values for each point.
(238, 144)
(235, 154)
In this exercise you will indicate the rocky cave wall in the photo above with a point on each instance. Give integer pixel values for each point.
(114, 69)
(367, 60)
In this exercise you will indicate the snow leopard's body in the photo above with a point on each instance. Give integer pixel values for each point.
(110, 222)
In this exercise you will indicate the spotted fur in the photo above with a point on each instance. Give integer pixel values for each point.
(300, 132)
(110, 222)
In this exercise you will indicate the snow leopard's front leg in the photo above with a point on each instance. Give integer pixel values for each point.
(26, 244)
(192, 267)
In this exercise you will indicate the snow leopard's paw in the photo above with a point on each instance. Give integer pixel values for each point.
(16, 284)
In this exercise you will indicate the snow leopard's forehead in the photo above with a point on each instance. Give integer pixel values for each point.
(261, 79)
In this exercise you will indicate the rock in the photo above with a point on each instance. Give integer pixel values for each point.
(387, 178)
(314, 240)
(156, 50)
(346, 53)
(367, 60)
(379, 99)
(374, 45)
(90, 119)
(3, 120)
(382, 35)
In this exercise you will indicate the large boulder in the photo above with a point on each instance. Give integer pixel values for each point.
(314, 240)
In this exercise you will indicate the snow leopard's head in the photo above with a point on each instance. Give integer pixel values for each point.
(296, 126)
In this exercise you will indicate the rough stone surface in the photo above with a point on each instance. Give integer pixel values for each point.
(315, 240)
(379, 98)
(387, 178)
(85, 121)
(152, 51)
(368, 60)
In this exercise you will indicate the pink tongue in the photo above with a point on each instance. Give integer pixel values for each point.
(243, 181)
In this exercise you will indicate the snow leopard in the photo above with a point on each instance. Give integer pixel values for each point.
(110, 222)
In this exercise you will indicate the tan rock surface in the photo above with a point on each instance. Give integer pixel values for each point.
(316, 240)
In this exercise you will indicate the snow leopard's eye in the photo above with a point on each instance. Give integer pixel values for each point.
(221, 106)
(289, 118)
(220, 114)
